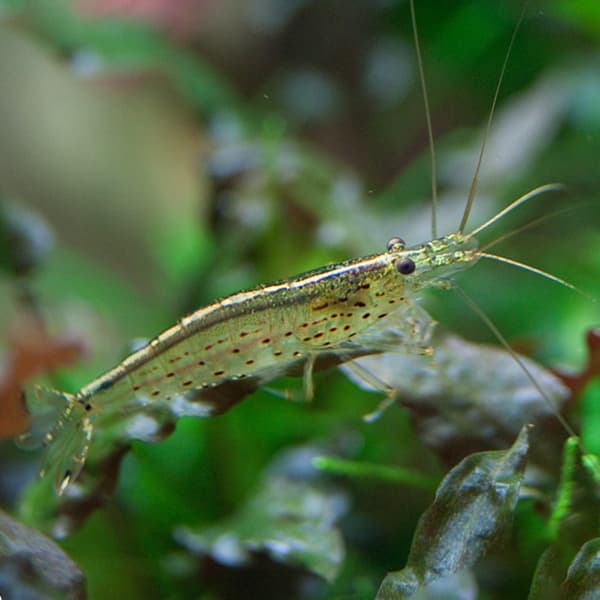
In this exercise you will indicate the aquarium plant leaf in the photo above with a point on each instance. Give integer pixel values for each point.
(473, 508)
(33, 567)
(292, 521)
(583, 575)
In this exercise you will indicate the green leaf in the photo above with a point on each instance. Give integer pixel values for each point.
(566, 486)
(574, 515)
(353, 468)
(583, 576)
(549, 572)
(472, 509)
(292, 521)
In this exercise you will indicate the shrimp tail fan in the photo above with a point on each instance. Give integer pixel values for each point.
(61, 424)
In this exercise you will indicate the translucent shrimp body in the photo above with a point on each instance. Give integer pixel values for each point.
(342, 309)
(218, 354)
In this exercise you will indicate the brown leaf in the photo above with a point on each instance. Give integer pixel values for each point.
(31, 351)
(576, 383)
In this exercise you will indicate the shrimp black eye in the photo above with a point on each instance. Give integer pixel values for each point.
(406, 266)
(395, 243)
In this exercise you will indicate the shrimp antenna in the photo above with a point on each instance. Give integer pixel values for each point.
(545, 274)
(529, 225)
(488, 322)
(548, 187)
(473, 188)
(526, 267)
(434, 201)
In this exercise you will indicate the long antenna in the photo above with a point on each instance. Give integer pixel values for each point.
(477, 310)
(529, 225)
(548, 187)
(526, 267)
(434, 201)
(474, 182)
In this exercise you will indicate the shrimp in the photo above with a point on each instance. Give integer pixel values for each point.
(215, 356)
(218, 354)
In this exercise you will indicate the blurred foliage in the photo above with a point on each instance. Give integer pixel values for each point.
(172, 164)
(33, 566)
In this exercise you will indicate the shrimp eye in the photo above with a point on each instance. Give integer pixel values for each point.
(406, 266)
(395, 243)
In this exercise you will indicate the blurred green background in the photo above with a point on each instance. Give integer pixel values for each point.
(178, 152)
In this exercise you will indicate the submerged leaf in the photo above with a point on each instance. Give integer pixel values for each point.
(34, 567)
(574, 515)
(583, 576)
(468, 396)
(555, 579)
(352, 468)
(549, 573)
(292, 521)
(472, 509)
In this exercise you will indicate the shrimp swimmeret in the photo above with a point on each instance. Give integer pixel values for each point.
(218, 354)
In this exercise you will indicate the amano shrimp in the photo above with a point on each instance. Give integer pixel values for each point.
(218, 354)
(215, 356)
